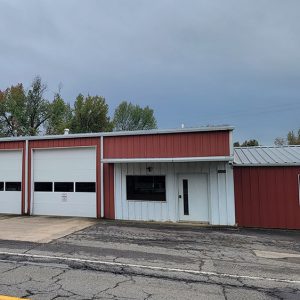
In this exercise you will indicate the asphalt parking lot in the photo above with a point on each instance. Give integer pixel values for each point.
(127, 260)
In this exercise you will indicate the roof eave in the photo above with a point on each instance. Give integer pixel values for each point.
(119, 133)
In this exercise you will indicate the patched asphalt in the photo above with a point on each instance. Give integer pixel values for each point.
(224, 260)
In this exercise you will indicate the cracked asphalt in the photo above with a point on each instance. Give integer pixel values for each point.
(126, 260)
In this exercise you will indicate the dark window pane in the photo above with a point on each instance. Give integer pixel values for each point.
(63, 187)
(148, 188)
(185, 197)
(43, 186)
(1, 186)
(85, 187)
(13, 186)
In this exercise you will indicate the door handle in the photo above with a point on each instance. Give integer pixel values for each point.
(179, 196)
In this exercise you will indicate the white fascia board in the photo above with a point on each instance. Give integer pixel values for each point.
(175, 159)
(118, 133)
(165, 131)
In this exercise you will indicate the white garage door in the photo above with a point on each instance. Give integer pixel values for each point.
(10, 182)
(64, 182)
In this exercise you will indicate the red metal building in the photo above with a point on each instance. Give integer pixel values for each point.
(266, 184)
(159, 175)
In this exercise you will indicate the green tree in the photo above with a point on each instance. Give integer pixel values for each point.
(250, 143)
(23, 113)
(13, 106)
(90, 114)
(247, 143)
(37, 107)
(60, 116)
(292, 138)
(133, 117)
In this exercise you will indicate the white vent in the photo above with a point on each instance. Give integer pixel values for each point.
(66, 131)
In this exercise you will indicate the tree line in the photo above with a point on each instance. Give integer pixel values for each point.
(28, 112)
(291, 138)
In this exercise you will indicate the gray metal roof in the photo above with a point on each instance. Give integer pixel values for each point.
(120, 133)
(267, 156)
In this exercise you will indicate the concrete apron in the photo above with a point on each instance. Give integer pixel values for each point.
(40, 229)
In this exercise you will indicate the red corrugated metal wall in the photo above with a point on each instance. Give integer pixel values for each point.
(18, 145)
(193, 144)
(267, 197)
(109, 191)
(63, 143)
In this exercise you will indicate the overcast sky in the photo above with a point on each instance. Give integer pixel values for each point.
(194, 62)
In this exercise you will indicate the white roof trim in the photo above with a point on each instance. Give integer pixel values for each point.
(119, 133)
(167, 159)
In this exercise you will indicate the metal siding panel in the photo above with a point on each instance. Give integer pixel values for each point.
(275, 195)
(118, 191)
(272, 204)
(214, 194)
(238, 195)
(247, 213)
(265, 198)
(265, 158)
(222, 196)
(273, 155)
(106, 192)
(286, 156)
(243, 156)
(255, 210)
(291, 176)
(281, 197)
(294, 152)
(168, 145)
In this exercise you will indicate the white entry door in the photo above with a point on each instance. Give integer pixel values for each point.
(193, 197)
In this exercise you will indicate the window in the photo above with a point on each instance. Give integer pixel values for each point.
(63, 187)
(148, 188)
(85, 187)
(1, 186)
(185, 197)
(43, 186)
(13, 186)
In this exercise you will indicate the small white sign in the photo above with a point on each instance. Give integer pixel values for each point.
(64, 197)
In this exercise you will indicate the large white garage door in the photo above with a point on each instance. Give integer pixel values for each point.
(64, 182)
(10, 182)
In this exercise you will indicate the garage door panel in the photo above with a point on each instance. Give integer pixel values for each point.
(65, 165)
(70, 204)
(10, 171)
(10, 202)
(75, 176)
(11, 165)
